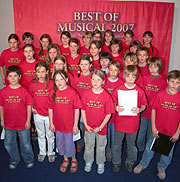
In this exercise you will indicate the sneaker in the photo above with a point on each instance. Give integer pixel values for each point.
(51, 158)
(116, 167)
(100, 169)
(129, 167)
(12, 165)
(138, 169)
(41, 158)
(161, 174)
(29, 164)
(88, 166)
(109, 155)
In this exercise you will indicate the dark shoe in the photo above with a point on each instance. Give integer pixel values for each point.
(30, 165)
(129, 167)
(116, 167)
(12, 165)
(109, 155)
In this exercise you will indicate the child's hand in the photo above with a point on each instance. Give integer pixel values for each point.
(27, 125)
(155, 133)
(2, 123)
(135, 110)
(75, 130)
(96, 130)
(52, 128)
(34, 111)
(175, 137)
(119, 108)
(89, 129)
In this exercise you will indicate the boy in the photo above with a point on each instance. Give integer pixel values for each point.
(105, 60)
(87, 37)
(127, 125)
(97, 35)
(165, 118)
(15, 106)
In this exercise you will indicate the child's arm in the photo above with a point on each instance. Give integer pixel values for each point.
(34, 111)
(28, 122)
(83, 114)
(138, 109)
(76, 119)
(2, 74)
(51, 125)
(2, 115)
(176, 135)
(118, 108)
(105, 121)
(153, 119)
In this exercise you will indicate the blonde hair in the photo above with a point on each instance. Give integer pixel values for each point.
(130, 69)
(132, 56)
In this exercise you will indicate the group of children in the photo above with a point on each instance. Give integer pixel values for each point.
(71, 87)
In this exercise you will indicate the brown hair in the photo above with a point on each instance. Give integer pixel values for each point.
(99, 73)
(174, 74)
(130, 69)
(154, 61)
(132, 56)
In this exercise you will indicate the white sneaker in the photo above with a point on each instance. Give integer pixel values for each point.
(161, 174)
(138, 169)
(88, 166)
(41, 158)
(100, 169)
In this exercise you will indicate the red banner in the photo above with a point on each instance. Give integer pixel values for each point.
(54, 16)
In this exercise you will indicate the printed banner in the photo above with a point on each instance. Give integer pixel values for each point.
(54, 16)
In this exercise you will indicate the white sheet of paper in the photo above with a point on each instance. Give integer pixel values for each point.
(128, 99)
(77, 136)
(3, 134)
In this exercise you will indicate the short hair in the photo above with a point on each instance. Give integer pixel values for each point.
(27, 35)
(149, 33)
(106, 55)
(97, 44)
(116, 42)
(116, 64)
(174, 74)
(154, 61)
(85, 57)
(98, 73)
(13, 68)
(28, 45)
(130, 32)
(87, 33)
(132, 56)
(144, 49)
(130, 69)
(13, 36)
(97, 32)
(66, 33)
(135, 43)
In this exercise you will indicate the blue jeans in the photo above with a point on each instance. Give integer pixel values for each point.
(144, 132)
(148, 155)
(110, 136)
(11, 145)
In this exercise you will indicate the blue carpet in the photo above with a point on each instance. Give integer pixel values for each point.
(49, 172)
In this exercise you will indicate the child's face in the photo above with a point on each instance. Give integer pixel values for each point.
(97, 37)
(147, 39)
(28, 40)
(44, 42)
(173, 85)
(130, 79)
(115, 49)
(52, 54)
(85, 66)
(104, 63)
(41, 73)
(142, 56)
(154, 69)
(128, 39)
(128, 61)
(61, 82)
(113, 71)
(94, 50)
(65, 40)
(28, 53)
(59, 65)
(86, 40)
(108, 37)
(13, 78)
(73, 48)
(97, 82)
(133, 49)
(13, 44)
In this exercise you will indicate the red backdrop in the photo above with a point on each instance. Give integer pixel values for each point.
(54, 16)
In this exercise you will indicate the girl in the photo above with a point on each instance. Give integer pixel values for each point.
(134, 46)
(11, 56)
(108, 37)
(73, 58)
(87, 37)
(39, 89)
(45, 40)
(27, 66)
(63, 98)
(147, 42)
(64, 48)
(95, 50)
(97, 107)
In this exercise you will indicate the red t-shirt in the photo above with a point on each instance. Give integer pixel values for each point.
(27, 72)
(64, 51)
(97, 106)
(84, 50)
(143, 70)
(128, 124)
(41, 58)
(152, 86)
(96, 64)
(40, 95)
(153, 51)
(73, 64)
(105, 48)
(15, 102)
(125, 48)
(167, 112)
(120, 60)
(64, 108)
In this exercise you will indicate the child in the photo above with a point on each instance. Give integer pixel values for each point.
(39, 89)
(87, 37)
(142, 56)
(97, 35)
(97, 107)
(134, 46)
(108, 37)
(165, 118)
(112, 82)
(147, 42)
(12, 56)
(95, 50)
(64, 48)
(127, 126)
(105, 60)
(153, 83)
(45, 40)
(15, 106)
(73, 58)
(28, 38)
(27, 66)
(65, 99)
